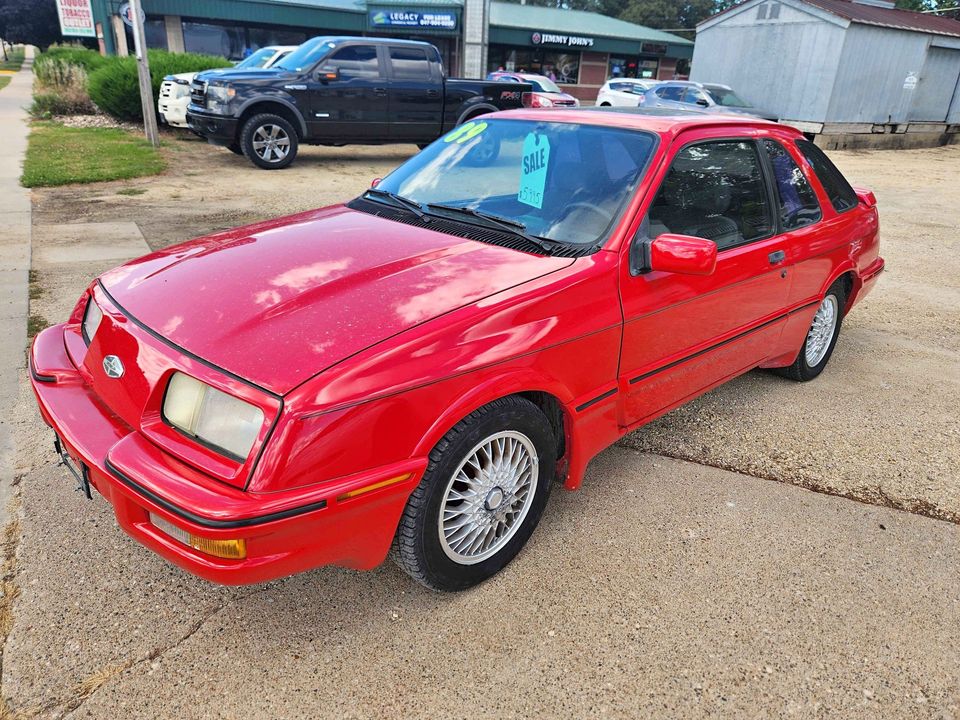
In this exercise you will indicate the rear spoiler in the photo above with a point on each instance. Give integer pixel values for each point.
(866, 196)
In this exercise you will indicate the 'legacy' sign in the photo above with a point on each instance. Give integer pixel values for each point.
(409, 18)
(76, 18)
(542, 38)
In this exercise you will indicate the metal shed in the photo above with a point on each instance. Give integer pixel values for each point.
(853, 73)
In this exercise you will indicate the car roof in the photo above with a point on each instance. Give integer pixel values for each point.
(662, 121)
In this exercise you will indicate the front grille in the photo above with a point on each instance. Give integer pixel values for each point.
(565, 103)
(198, 93)
(466, 230)
(166, 89)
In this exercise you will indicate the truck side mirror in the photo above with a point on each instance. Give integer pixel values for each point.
(681, 254)
(327, 74)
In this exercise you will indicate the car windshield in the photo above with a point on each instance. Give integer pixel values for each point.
(260, 58)
(566, 182)
(544, 84)
(307, 55)
(728, 98)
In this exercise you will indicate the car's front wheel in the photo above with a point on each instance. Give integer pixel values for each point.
(269, 141)
(821, 337)
(480, 498)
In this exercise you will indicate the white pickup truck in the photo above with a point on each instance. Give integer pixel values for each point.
(175, 89)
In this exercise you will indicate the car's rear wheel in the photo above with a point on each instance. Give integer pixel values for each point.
(605, 104)
(821, 338)
(481, 497)
(269, 141)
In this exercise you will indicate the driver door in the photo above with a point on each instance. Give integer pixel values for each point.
(348, 96)
(684, 334)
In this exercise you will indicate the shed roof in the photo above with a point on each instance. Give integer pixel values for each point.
(890, 17)
(881, 16)
(579, 22)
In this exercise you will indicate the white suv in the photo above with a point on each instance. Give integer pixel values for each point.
(623, 92)
(175, 89)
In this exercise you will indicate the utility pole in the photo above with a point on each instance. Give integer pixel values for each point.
(143, 72)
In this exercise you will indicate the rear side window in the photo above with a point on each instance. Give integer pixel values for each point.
(841, 195)
(670, 93)
(355, 61)
(714, 190)
(798, 203)
(409, 64)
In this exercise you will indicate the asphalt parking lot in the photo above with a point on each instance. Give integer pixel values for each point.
(679, 580)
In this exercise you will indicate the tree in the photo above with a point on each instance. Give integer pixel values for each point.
(668, 13)
(32, 22)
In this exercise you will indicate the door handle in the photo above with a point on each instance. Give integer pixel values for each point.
(777, 257)
(379, 91)
(433, 93)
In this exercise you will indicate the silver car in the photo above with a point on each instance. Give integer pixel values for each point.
(705, 97)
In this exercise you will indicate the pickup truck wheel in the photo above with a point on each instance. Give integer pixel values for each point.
(481, 497)
(821, 337)
(269, 141)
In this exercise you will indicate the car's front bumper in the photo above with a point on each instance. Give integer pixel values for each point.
(285, 532)
(218, 129)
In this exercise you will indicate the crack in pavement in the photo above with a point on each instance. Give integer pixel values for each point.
(877, 497)
(88, 687)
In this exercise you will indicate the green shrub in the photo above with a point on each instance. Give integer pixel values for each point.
(89, 60)
(114, 88)
(50, 104)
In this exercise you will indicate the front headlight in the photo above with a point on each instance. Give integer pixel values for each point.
(91, 320)
(219, 96)
(213, 417)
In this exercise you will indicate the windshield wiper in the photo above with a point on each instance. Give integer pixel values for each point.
(514, 227)
(411, 205)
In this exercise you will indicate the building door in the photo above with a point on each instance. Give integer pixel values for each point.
(938, 81)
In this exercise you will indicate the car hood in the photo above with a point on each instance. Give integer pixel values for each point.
(228, 75)
(279, 302)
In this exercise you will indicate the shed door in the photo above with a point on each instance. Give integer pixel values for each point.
(938, 81)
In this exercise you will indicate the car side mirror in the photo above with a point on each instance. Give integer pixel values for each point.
(703, 103)
(327, 74)
(681, 254)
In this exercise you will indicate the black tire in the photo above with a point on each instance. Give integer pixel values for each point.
(266, 122)
(605, 104)
(801, 370)
(417, 547)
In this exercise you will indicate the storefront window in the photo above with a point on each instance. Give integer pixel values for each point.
(560, 67)
(647, 68)
(208, 39)
(261, 37)
(154, 31)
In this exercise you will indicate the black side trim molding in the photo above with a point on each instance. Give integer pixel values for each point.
(206, 522)
(37, 376)
(729, 340)
(598, 398)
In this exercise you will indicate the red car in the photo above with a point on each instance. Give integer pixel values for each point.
(545, 93)
(414, 369)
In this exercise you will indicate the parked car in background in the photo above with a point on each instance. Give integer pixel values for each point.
(623, 92)
(708, 97)
(340, 91)
(546, 93)
(416, 368)
(175, 89)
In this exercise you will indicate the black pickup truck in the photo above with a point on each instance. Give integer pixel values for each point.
(340, 91)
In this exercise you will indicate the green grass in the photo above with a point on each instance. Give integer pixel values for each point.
(59, 155)
(14, 60)
(4, 81)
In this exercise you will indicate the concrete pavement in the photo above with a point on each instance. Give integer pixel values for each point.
(686, 592)
(14, 259)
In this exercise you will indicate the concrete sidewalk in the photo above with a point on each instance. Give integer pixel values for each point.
(14, 258)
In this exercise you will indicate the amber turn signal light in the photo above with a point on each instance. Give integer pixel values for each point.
(235, 549)
(375, 486)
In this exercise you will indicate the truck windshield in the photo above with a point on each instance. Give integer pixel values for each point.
(566, 182)
(307, 55)
(260, 58)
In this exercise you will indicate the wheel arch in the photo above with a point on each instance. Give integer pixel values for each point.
(277, 106)
(476, 111)
(852, 283)
(549, 395)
